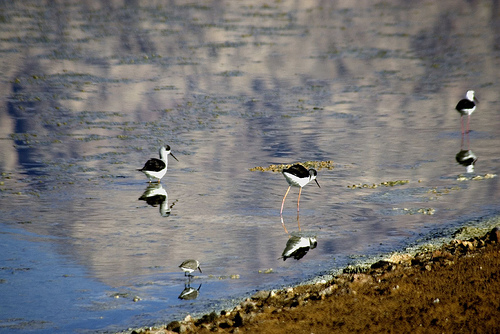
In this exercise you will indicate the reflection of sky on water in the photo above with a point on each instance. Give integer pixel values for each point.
(36, 274)
(90, 92)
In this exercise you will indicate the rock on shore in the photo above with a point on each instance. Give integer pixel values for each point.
(451, 289)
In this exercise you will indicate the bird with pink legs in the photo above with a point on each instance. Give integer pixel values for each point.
(466, 107)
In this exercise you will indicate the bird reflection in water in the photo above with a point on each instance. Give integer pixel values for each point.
(155, 195)
(189, 293)
(466, 157)
(298, 244)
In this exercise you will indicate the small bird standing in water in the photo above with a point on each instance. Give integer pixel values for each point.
(189, 266)
(157, 168)
(298, 176)
(466, 107)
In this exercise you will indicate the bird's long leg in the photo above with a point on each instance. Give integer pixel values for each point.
(283, 202)
(283, 224)
(300, 190)
(462, 124)
(468, 120)
(298, 221)
(468, 140)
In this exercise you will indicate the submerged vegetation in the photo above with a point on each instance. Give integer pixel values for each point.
(374, 185)
(318, 165)
(476, 177)
(414, 211)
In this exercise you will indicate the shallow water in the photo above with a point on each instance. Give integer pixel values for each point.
(91, 91)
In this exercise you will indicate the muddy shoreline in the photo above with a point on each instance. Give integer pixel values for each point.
(451, 288)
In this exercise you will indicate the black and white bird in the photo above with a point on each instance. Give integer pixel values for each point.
(298, 176)
(466, 107)
(157, 168)
(189, 266)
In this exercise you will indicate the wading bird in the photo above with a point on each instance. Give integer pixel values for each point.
(189, 266)
(466, 107)
(298, 176)
(157, 168)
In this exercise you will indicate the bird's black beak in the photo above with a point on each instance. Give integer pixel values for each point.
(475, 99)
(173, 156)
(199, 268)
(317, 183)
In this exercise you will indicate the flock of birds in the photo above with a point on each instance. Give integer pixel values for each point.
(296, 176)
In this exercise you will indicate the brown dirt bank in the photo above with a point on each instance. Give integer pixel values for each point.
(454, 289)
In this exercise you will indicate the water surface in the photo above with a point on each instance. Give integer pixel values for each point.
(91, 91)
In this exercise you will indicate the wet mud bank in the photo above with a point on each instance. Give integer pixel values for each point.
(452, 288)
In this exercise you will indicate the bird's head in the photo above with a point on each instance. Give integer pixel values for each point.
(471, 96)
(166, 149)
(312, 176)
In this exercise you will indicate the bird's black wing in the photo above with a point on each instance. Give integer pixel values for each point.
(465, 104)
(154, 165)
(297, 170)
